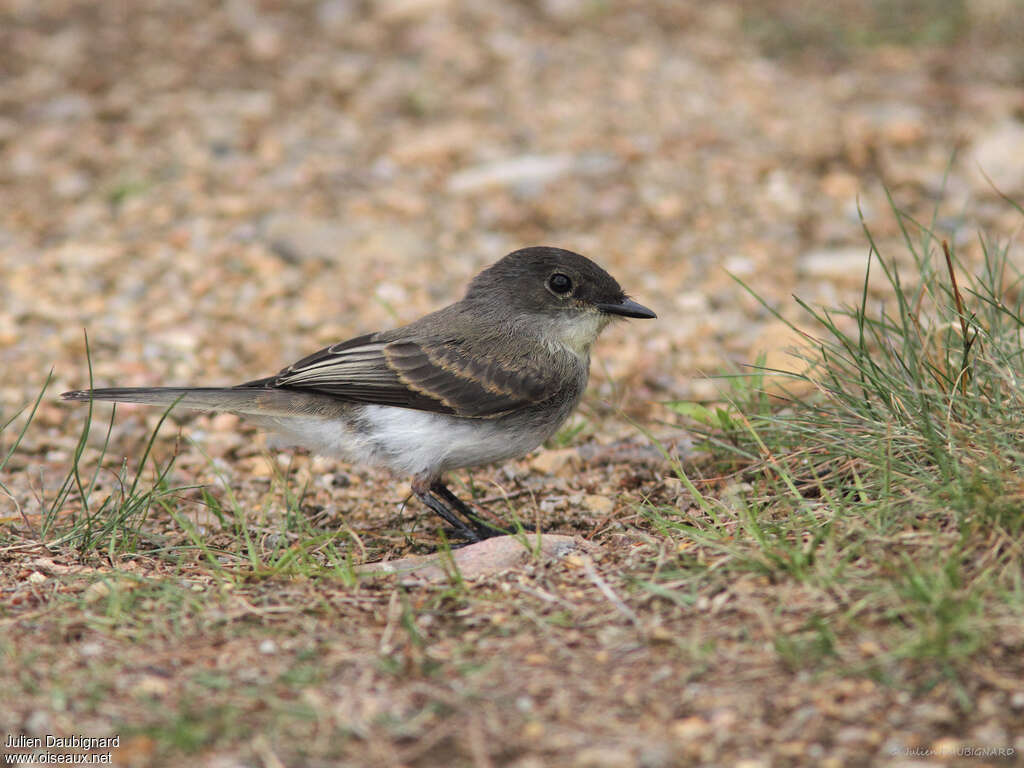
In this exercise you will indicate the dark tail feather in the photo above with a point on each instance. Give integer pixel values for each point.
(189, 397)
(268, 402)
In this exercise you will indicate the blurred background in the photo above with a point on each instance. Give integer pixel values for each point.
(215, 189)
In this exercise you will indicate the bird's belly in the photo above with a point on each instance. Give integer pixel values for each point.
(415, 442)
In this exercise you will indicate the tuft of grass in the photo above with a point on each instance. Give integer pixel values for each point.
(888, 477)
(114, 522)
(21, 433)
(89, 514)
(80, 516)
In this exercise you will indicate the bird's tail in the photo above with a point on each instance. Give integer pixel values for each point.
(240, 400)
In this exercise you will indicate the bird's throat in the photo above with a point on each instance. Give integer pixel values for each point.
(576, 333)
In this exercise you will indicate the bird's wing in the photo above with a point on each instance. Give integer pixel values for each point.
(414, 373)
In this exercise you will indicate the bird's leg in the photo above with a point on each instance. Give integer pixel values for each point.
(484, 531)
(435, 494)
(427, 495)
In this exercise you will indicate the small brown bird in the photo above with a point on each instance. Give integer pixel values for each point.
(486, 379)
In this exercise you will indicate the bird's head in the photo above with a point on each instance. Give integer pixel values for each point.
(562, 296)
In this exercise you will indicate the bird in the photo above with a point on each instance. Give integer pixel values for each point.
(481, 381)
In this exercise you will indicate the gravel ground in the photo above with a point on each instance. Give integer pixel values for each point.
(213, 190)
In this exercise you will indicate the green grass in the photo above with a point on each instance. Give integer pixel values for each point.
(887, 476)
(80, 516)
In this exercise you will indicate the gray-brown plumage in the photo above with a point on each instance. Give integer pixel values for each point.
(485, 379)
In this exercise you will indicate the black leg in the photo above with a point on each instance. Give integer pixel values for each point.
(484, 531)
(426, 495)
(436, 495)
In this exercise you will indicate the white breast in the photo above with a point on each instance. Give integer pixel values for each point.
(419, 441)
(411, 442)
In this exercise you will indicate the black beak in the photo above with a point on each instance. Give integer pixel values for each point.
(627, 308)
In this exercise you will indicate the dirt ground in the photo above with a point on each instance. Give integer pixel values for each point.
(213, 190)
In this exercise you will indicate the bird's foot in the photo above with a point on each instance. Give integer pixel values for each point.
(465, 523)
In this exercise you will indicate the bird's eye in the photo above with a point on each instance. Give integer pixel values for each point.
(560, 284)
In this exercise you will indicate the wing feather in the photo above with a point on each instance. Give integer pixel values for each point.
(440, 377)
